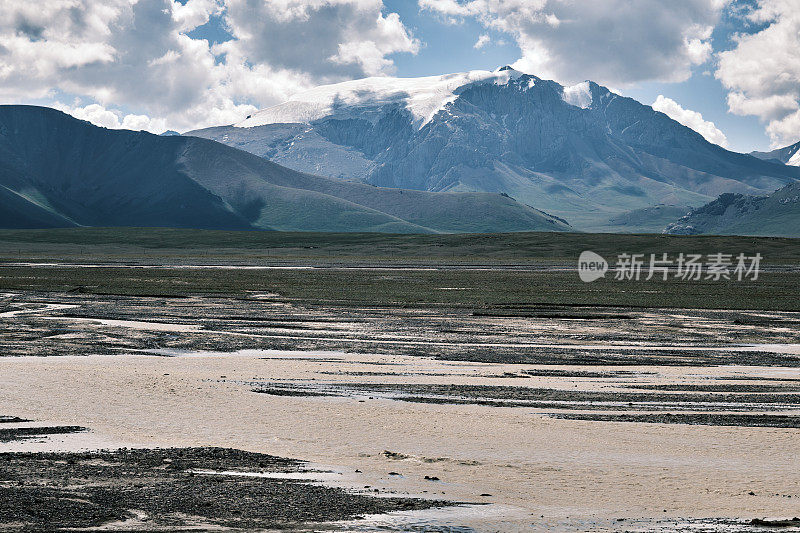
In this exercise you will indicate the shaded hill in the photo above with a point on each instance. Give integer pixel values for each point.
(777, 215)
(19, 212)
(56, 171)
(583, 152)
(92, 176)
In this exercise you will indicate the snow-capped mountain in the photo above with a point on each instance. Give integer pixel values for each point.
(583, 152)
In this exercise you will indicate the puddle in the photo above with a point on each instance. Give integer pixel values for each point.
(456, 519)
(320, 477)
(135, 324)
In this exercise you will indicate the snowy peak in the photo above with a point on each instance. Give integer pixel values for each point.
(421, 97)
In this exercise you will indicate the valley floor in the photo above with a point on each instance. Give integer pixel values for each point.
(428, 396)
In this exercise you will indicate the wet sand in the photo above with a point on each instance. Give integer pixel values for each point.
(536, 470)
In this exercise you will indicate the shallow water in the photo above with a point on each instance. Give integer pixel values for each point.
(38, 309)
(347, 332)
(135, 324)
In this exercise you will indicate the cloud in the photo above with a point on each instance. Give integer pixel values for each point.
(112, 119)
(328, 39)
(138, 55)
(762, 71)
(616, 42)
(94, 113)
(195, 13)
(482, 41)
(690, 119)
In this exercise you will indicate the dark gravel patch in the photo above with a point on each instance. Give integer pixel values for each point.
(276, 391)
(12, 420)
(558, 373)
(678, 387)
(9, 434)
(703, 419)
(552, 315)
(531, 394)
(45, 491)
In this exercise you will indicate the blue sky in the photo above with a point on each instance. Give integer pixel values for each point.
(449, 47)
(183, 64)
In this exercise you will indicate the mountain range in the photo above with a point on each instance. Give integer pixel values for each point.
(58, 171)
(480, 151)
(582, 153)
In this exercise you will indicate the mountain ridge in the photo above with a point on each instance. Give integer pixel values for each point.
(56, 170)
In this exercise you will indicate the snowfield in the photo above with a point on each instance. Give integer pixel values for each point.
(795, 159)
(422, 97)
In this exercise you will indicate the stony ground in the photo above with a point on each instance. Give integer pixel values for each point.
(170, 489)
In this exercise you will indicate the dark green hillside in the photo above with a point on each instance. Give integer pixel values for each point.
(58, 171)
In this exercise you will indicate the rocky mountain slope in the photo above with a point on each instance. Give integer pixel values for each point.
(58, 171)
(647, 219)
(788, 155)
(777, 215)
(583, 152)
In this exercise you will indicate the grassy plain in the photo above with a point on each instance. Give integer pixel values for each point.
(515, 270)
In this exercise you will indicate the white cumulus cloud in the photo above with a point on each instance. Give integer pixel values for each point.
(138, 55)
(690, 119)
(112, 119)
(482, 41)
(614, 42)
(762, 71)
(328, 39)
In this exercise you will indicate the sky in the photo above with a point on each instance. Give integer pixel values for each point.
(729, 69)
